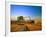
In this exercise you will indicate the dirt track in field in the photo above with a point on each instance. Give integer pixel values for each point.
(25, 26)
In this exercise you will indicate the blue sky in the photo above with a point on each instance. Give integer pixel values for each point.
(25, 10)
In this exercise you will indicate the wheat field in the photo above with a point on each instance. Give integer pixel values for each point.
(17, 26)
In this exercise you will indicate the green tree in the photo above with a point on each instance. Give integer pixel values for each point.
(20, 18)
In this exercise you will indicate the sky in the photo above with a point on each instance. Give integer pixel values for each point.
(25, 10)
